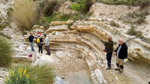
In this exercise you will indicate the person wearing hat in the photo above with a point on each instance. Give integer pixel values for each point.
(46, 41)
(122, 53)
(39, 42)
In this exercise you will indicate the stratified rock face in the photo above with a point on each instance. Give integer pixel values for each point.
(55, 23)
(102, 29)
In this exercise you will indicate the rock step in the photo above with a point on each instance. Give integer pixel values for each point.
(57, 28)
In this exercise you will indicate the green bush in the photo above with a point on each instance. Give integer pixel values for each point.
(6, 36)
(114, 24)
(3, 23)
(5, 53)
(77, 7)
(49, 8)
(18, 76)
(82, 6)
(57, 17)
(132, 31)
(25, 14)
(9, 11)
(30, 75)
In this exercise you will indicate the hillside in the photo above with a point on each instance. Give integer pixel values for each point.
(75, 35)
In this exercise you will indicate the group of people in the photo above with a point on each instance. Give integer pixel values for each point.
(40, 41)
(121, 52)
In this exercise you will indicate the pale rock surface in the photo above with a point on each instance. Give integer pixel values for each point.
(66, 8)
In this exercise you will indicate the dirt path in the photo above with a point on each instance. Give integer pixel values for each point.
(134, 73)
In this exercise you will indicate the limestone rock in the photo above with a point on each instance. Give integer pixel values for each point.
(36, 26)
(54, 23)
(57, 28)
(111, 11)
(41, 27)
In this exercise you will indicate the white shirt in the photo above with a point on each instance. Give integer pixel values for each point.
(118, 50)
(46, 41)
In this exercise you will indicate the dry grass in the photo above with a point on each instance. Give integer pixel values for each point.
(25, 13)
(5, 53)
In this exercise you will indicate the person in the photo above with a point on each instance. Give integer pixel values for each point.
(31, 38)
(46, 41)
(39, 42)
(109, 49)
(122, 53)
(39, 33)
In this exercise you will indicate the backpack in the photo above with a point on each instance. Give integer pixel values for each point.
(38, 40)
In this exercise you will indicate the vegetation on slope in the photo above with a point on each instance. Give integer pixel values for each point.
(25, 14)
(5, 53)
(141, 3)
(31, 75)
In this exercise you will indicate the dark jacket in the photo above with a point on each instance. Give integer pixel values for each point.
(123, 51)
(31, 38)
(41, 41)
(109, 46)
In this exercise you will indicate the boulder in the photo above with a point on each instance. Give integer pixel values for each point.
(36, 26)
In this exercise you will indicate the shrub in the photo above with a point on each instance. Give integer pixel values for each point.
(114, 24)
(49, 8)
(6, 36)
(77, 7)
(25, 13)
(132, 31)
(30, 75)
(88, 5)
(82, 6)
(136, 17)
(3, 23)
(57, 17)
(9, 11)
(18, 76)
(5, 53)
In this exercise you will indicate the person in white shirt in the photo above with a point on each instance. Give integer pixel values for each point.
(46, 41)
(122, 53)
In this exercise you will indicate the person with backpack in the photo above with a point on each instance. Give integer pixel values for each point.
(122, 53)
(31, 38)
(46, 41)
(109, 50)
(39, 42)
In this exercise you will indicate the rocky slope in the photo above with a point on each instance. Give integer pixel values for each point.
(77, 54)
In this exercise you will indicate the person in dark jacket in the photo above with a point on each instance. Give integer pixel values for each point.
(109, 49)
(31, 38)
(122, 53)
(39, 42)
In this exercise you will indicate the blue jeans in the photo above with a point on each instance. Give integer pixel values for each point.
(108, 57)
(31, 44)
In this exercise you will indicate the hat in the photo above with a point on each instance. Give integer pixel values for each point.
(44, 34)
(39, 35)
